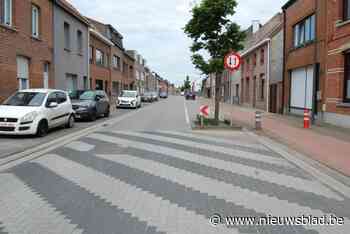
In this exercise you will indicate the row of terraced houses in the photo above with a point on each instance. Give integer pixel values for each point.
(50, 44)
(299, 59)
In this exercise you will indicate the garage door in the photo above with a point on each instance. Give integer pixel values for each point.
(302, 80)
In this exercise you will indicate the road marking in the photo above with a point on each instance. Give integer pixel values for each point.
(232, 141)
(306, 164)
(170, 151)
(153, 210)
(24, 211)
(80, 146)
(186, 114)
(249, 199)
(259, 174)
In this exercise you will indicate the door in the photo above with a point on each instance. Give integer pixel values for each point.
(273, 98)
(64, 108)
(23, 72)
(52, 113)
(46, 76)
(71, 82)
(302, 88)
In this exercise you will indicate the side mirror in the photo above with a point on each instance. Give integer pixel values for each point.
(53, 104)
(97, 98)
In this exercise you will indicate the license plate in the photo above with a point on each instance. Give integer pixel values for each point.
(6, 125)
(77, 116)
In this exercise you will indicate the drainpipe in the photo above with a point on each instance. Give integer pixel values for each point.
(284, 60)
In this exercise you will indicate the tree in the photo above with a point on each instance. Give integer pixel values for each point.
(213, 34)
(187, 83)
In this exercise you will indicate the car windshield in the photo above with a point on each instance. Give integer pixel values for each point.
(88, 95)
(26, 99)
(147, 94)
(128, 94)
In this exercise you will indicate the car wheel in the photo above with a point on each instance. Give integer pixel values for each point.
(107, 112)
(43, 129)
(70, 123)
(93, 116)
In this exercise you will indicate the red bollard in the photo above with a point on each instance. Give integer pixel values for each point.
(306, 119)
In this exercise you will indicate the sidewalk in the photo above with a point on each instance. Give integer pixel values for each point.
(328, 145)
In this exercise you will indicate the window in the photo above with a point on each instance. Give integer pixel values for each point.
(254, 60)
(86, 83)
(99, 57)
(6, 12)
(23, 72)
(106, 60)
(304, 31)
(237, 90)
(91, 49)
(262, 87)
(61, 97)
(71, 82)
(248, 64)
(116, 62)
(67, 36)
(347, 78)
(346, 9)
(80, 41)
(262, 56)
(35, 21)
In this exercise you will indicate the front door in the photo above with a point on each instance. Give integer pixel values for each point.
(273, 98)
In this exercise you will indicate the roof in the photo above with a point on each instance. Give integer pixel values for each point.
(99, 36)
(72, 10)
(288, 4)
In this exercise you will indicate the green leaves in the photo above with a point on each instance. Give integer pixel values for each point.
(213, 32)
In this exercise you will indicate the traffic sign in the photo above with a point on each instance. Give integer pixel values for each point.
(232, 61)
(204, 110)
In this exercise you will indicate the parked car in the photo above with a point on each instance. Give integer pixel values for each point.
(163, 95)
(182, 93)
(92, 104)
(75, 94)
(35, 111)
(155, 96)
(190, 96)
(147, 97)
(130, 99)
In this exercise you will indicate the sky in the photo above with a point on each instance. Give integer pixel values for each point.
(155, 28)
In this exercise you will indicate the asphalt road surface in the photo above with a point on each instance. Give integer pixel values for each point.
(146, 172)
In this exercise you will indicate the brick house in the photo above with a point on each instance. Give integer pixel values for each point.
(139, 70)
(336, 96)
(100, 55)
(129, 71)
(261, 70)
(26, 44)
(118, 78)
(304, 56)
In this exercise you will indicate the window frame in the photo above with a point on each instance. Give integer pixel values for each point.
(99, 61)
(262, 56)
(346, 6)
(346, 99)
(300, 29)
(7, 16)
(67, 36)
(35, 16)
(80, 41)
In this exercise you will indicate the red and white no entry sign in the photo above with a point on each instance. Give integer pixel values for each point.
(204, 110)
(232, 61)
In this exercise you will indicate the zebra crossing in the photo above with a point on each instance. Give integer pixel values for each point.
(161, 182)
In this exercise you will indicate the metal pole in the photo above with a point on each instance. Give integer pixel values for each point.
(258, 124)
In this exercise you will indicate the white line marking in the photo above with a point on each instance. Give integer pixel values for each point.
(170, 151)
(259, 174)
(249, 199)
(80, 146)
(147, 207)
(186, 114)
(24, 211)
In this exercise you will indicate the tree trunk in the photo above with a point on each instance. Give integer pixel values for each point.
(217, 96)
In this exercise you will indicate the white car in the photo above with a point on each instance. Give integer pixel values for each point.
(35, 111)
(130, 99)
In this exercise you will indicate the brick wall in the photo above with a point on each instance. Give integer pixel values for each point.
(338, 42)
(100, 72)
(17, 41)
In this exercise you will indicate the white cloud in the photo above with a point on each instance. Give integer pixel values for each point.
(154, 28)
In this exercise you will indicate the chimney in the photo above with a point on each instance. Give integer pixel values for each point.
(255, 25)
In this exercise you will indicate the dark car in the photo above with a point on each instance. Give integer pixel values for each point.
(75, 94)
(190, 96)
(147, 97)
(91, 104)
(163, 95)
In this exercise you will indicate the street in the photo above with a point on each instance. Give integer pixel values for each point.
(146, 171)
